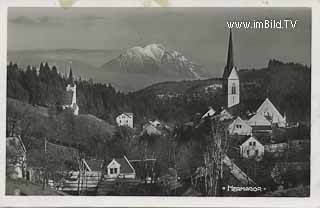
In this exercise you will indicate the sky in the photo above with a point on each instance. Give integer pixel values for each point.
(201, 34)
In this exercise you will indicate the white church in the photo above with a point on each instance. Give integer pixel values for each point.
(266, 115)
(70, 97)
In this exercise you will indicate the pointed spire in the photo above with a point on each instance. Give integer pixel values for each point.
(70, 78)
(230, 52)
(229, 65)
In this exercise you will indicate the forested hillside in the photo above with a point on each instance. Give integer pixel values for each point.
(35, 123)
(288, 86)
(34, 99)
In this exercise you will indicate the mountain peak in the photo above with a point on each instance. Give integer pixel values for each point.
(155, 59)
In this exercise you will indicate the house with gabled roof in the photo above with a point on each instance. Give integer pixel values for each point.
(251, 147)
(120, 168)
(125, 119)
(209, 113)
(151, 129)
(87, 179)
(259, 123)
(224, 115)
(239, 127)
(268, 110)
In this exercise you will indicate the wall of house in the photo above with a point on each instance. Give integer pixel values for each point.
(251, 148)
(268, 110)
(240, 128)
(127, 175)
(113, 165)
(151, 130)
(123, 120)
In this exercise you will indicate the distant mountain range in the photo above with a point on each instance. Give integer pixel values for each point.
(155, 59)
(129, 70)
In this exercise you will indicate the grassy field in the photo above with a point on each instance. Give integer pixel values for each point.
(23, 187)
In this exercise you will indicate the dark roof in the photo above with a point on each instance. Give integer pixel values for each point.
(245, 138)
(124, 165)
(229, 66)
(127, 114)
(261, 128)
(235, 110)
(95, 165)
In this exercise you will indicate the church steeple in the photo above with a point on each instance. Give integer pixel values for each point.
(70, 78)
(229, 66)
(231, 82)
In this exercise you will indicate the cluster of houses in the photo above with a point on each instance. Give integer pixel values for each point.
(244, 132)
(85, 175)
(247, 133)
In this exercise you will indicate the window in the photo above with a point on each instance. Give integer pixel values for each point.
(238, 126)
(250, 143)
(233, 89)
(111, 170)
(116, 170)
(257, 152)
(254, 143)
(248, 152)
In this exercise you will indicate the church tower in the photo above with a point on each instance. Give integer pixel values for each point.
(70, 101)
(231, 83)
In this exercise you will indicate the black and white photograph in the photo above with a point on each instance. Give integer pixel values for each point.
(171, 101)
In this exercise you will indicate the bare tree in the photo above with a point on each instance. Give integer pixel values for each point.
(217, 146)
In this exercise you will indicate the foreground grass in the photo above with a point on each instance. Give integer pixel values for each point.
(23, 187)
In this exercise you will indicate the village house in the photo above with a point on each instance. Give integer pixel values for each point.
(155, 127)
(224, 115)
(120, 168)
(87, 179)
(239, 127)
(155, 123)
(16, 156)
(250, 147)
(209, 113)
(125, 119)
(151, 129)
(268, 110)
(259, 123)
